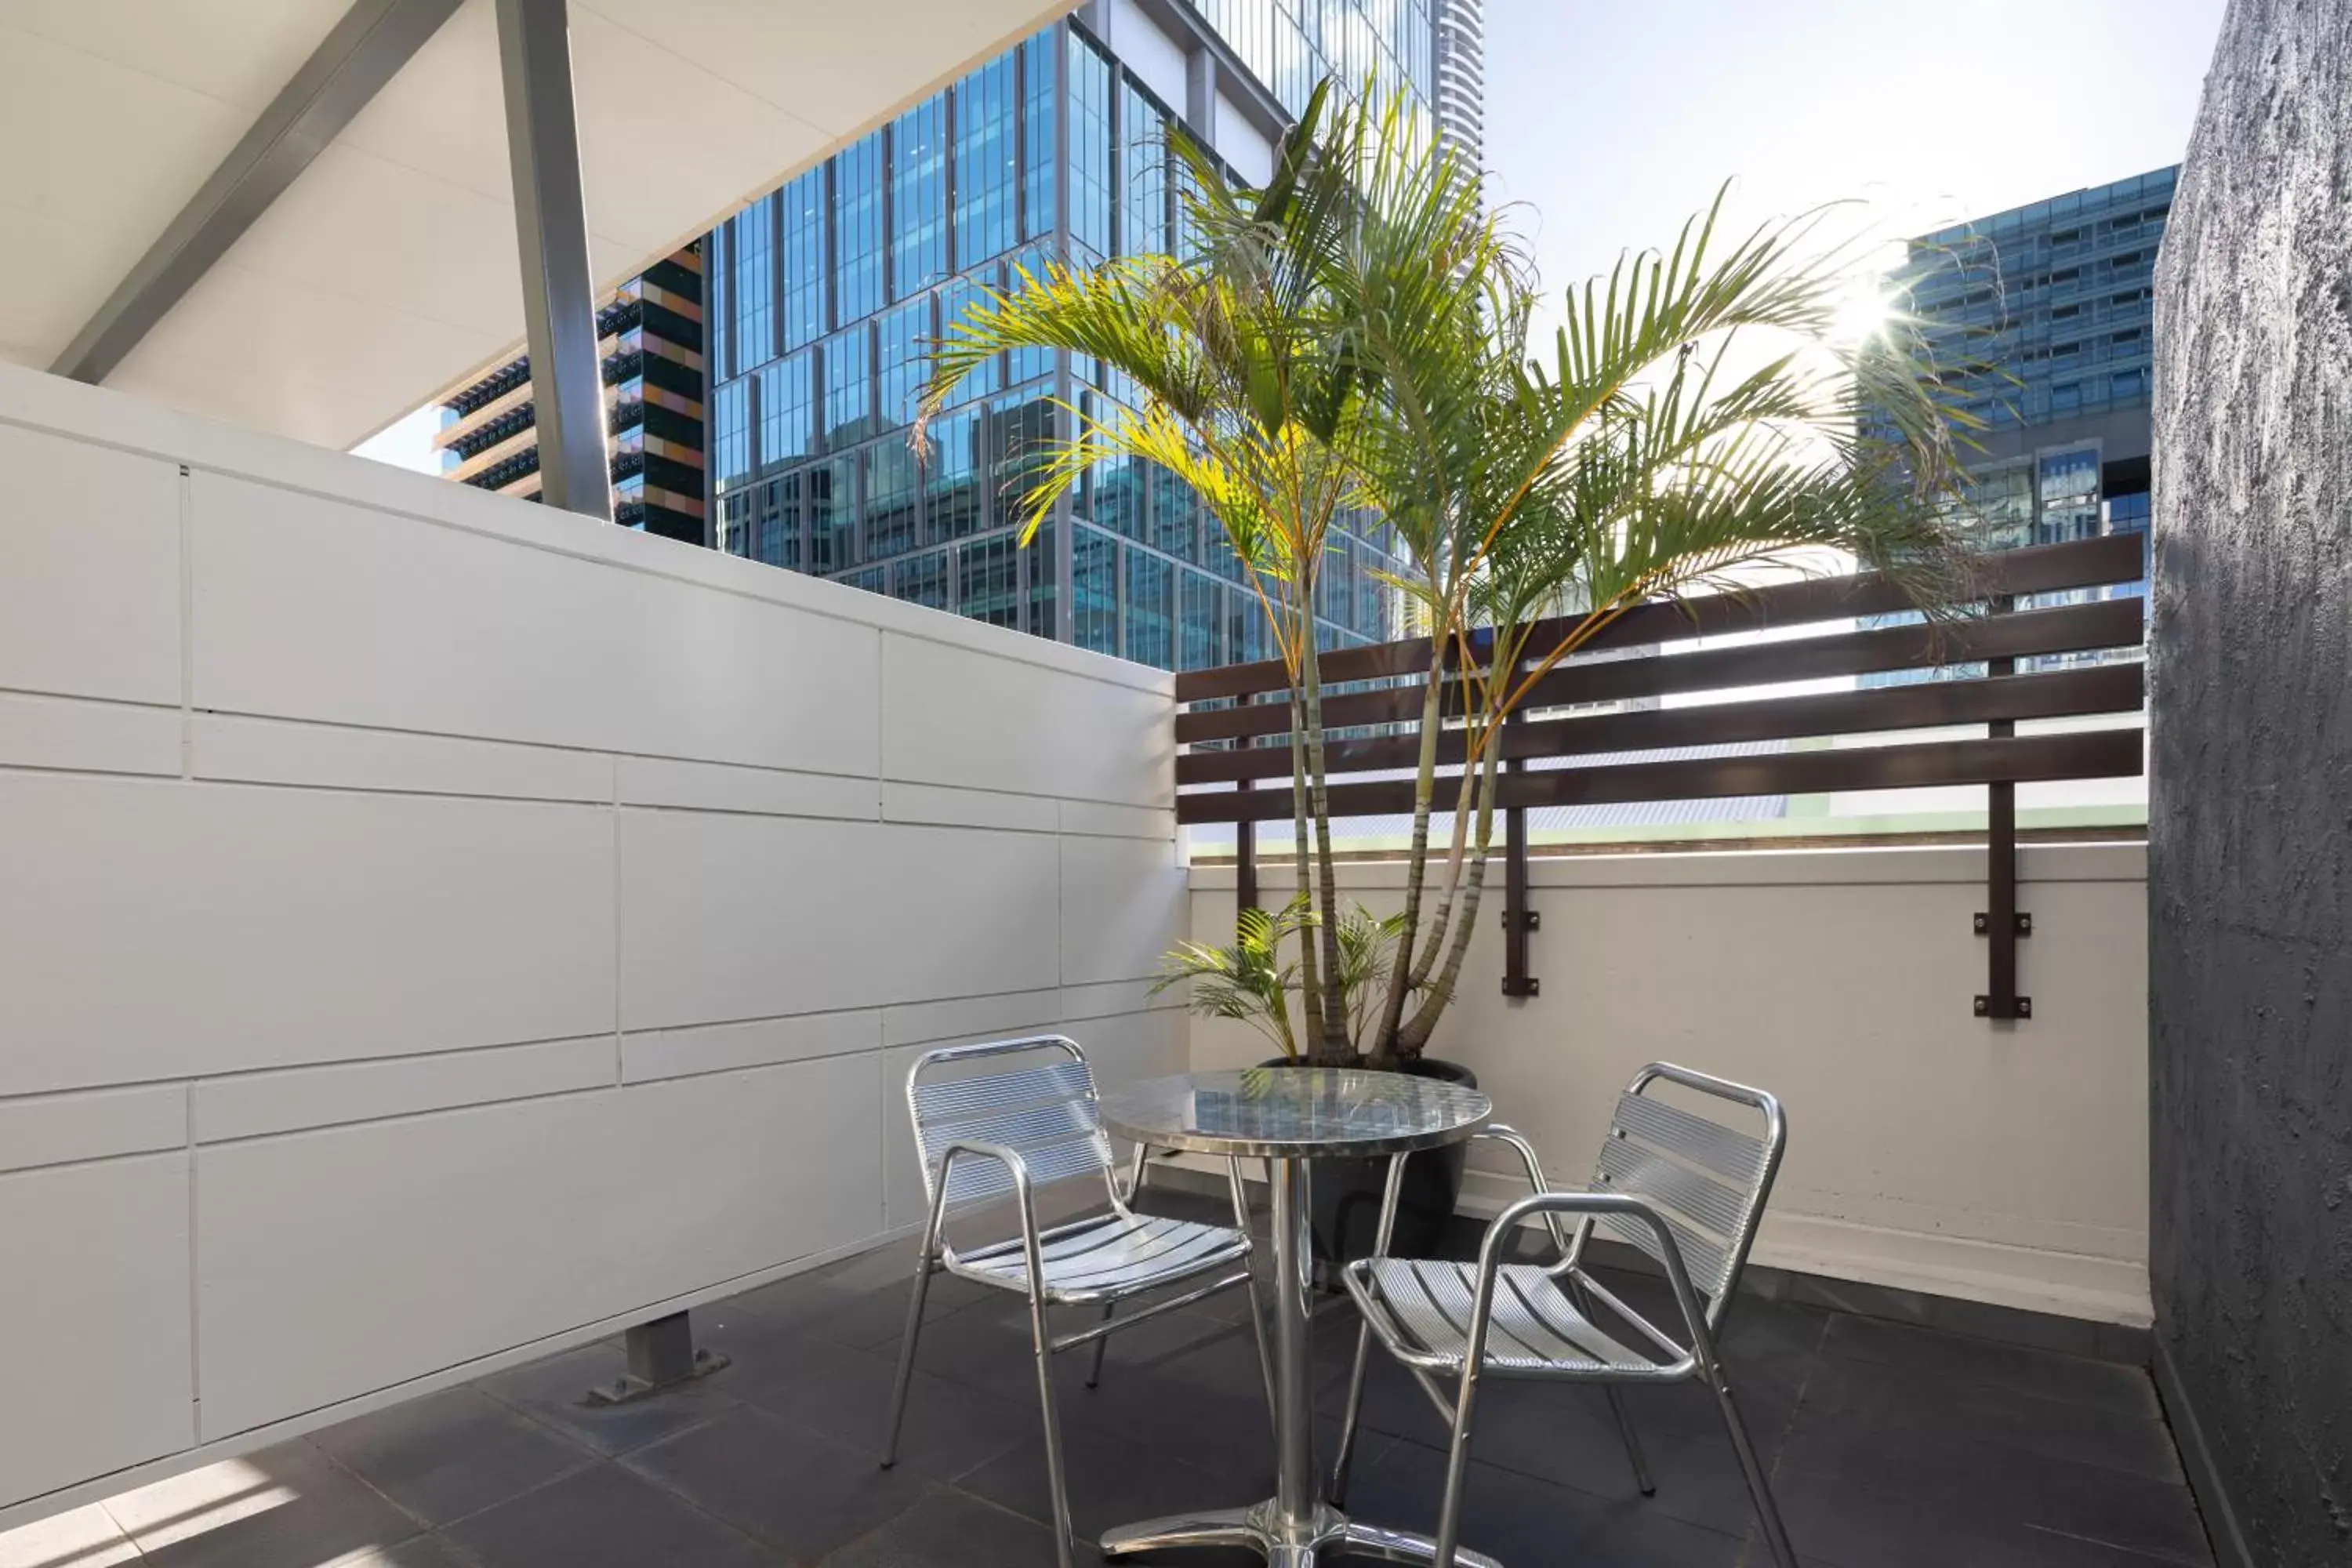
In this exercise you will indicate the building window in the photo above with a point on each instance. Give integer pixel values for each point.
(953, 497)
(922, 579)
(1150, 610)
(955, 299)
(902, 360)
(891, 513)
(988, 580)
(754, 291)
(857, 229)
(849, 401)
(1039, 220)
(1023, 433)
(714, 254)
(803, 205)
(2066, 397)
(777, 522)
(1175, 520)
(1090, 150)
(1199, 627)
(1028, 363)
(832, 513)
(787, 407)
(987, 164)
(1094, 589)
(732, 419)
(919, 196)
(1143, 188)
(2128, 384)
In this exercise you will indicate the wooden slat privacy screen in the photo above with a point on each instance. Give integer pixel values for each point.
(1227, 773)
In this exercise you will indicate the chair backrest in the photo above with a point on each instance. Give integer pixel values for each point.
(1042, 1108)
(1707, 1179)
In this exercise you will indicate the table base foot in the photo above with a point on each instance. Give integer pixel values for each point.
(1284, 1543)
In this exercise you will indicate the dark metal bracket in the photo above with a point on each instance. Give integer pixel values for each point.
(2001, 923)
(1518, 918)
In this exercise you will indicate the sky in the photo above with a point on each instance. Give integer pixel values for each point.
(1609, 122)
(1612, 120)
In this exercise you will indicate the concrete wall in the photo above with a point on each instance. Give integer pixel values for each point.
(433, 930)
(2250, 803)
(1928, 1148)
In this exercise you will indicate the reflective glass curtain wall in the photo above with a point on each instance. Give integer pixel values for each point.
(836, 286)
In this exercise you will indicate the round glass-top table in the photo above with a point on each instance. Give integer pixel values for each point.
(1292, 1116)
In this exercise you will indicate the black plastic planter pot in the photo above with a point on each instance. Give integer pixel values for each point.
(1346, 1206)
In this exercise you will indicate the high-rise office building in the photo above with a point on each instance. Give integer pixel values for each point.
(2050, 305)
(826, 295)
(1462, 80)
(649, 337)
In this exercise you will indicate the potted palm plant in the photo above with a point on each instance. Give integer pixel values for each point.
(1359, 332)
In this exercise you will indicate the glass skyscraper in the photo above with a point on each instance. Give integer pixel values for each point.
(2046, 312)
(825, 296)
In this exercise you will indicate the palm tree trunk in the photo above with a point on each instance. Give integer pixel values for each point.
(1416, 876)
(1414, 1037)
(1310, 969)
(1333, 1045)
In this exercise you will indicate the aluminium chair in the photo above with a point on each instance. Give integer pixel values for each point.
(1009, 1131)
(1685, 1188)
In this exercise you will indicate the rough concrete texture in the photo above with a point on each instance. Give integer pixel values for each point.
(2251, 816)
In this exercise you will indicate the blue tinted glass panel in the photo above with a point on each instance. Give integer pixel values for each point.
(787, 411)
(987, 164)
(1090, 149)
(848, 399)
(803, 204)
(832, 507)
(918, 198)
(754, 268)
(955, 299)
(955, 499)
(731, 422)
(1037, 162)
(1201, 622)
(858, 230)
(1094, 589)
(1143, 185)
(1150, 610)
(988, 580)
(902, 360)
(892, 514)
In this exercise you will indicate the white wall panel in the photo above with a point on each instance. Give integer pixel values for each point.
(93, 737)
(1010, 725)
(270, 751)
(56, 1129)
(97, 1308)
(90, 569)
(314, 609)
(157, 928)
(248, 1105)
(1123, 904)
(353, 1258)
(747, 916)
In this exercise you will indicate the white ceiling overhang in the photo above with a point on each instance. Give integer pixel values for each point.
(388, 268)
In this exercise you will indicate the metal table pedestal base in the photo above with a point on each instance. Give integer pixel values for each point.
(1295, 1526)
(1302, 1546)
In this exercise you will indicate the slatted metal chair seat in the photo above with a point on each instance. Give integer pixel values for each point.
(1535, 1331)
(998, 1122)
(1114, 1255)
(1683, 1188)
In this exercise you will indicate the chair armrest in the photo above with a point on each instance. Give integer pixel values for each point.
(1590, 1206)
(1032, 1247)
(1496, 1132)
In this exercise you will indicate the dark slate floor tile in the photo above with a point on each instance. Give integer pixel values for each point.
(424, 1551)
(1912, 1399)
(950, 1428)
(450, 1454)
(603, 1517)
(800, 1492)
(1907, 1494)
(551, 1391)
(951, 1529)
(1113, 1480)
(1521, 1520)
(287, 1507)
(2039, 1373)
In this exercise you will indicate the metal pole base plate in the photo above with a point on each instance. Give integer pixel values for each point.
(1284, 1543)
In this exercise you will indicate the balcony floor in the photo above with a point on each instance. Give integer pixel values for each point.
(1890, 1446)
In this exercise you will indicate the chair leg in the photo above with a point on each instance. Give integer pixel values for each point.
(1257, 1303)
(1633, 1440)
(1347, 1455)
(1457, 1458)
(907, 1353)
(1056, 1484)
(1093, 1371)
(1759, 1489)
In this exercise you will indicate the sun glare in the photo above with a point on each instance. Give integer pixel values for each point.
(1861, 315)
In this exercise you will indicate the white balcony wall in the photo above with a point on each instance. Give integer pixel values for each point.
(435, 931)
(1928, 1149)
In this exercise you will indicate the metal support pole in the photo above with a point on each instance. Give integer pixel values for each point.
(1518, 918)
(2000, 923)
(551, 234)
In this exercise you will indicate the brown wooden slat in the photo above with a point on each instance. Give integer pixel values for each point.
(2035, 569)
(2089, 754)
(2069, 628)
(2055, 694)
